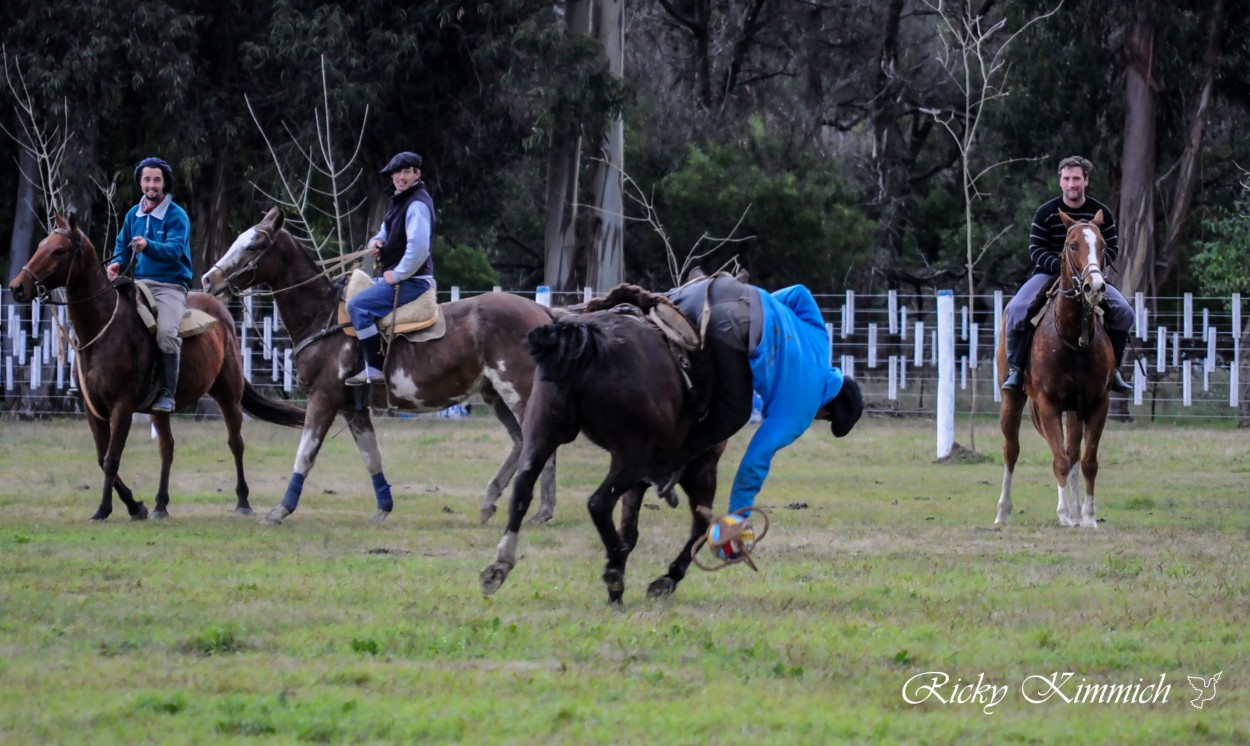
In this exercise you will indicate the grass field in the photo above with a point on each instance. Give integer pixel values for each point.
(212, 629)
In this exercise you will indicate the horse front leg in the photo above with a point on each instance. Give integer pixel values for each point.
(699, 483)
(533, 455)
(110, 442)
(1009, 415)
(232, 413)
(165, 439)
(1050, 422)
(552, 424)
(1074, 432)
(1089, 462)
(361, 425)
(317, 420)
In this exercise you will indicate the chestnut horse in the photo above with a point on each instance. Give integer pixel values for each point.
(613, 377)
(118, 362)
(481, 353)
(1070, 369)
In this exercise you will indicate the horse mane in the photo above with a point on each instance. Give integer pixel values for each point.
(626, 293)
(563, 349)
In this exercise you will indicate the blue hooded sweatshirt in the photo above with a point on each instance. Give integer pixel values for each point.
(790, 371)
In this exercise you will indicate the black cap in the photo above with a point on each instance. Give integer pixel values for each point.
(846, 408)
(154, 162)
(406, 159)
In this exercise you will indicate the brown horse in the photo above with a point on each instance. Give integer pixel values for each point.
(118, 363)
(1070, 369)
(614, 378)
(481, 353)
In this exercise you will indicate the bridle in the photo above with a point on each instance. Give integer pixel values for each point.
(41, 290)
(229, 279)
(1079, 282)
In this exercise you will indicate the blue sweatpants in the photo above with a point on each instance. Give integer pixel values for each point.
(378, 300)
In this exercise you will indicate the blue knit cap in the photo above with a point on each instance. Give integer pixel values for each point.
(155, 162)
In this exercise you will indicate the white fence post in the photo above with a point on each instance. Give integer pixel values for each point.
(946, 372)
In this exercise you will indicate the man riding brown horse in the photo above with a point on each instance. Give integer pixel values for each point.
(1046, 240)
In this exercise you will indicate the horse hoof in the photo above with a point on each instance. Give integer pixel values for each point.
(1089, 523)
(99, 518)
(276, 516)
(540, 518)
(242, 511)
(486, 514)
(140, 513)
(379, 518)
(615, 581)
(159, 515)
(661, 587)
(492, 577)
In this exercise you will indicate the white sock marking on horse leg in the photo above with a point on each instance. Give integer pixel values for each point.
(505, 553)
(1004, 499)
(307, 453)
(367, 444)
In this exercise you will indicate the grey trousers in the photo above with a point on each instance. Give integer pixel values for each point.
(1119, 316)
(171, 307)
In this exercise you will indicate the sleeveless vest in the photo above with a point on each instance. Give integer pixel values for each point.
(397, 233)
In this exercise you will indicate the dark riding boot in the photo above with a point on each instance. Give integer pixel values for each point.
(372, 370)
(165, 399)
(1017, 354)
(1119, 340)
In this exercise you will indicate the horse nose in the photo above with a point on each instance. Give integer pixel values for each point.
(19, 291)
(209, 279)
(1095, 287)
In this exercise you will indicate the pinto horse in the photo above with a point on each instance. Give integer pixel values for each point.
(117, 362)
(613, 377)
(1066, 384)
(481, 353)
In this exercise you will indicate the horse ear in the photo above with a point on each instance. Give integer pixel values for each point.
(73, 222)
(274, 217)
(1066, 218)
(743, 276)
(1097, 218)
(60, 222)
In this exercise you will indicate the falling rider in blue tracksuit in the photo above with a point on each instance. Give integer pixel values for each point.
(776, 345)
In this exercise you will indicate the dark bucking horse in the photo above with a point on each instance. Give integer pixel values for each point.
(118, 364)
(481, 353)
(615, 378)
(1070, 367)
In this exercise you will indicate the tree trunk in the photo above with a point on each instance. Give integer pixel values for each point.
(211, 222)
(1136, 213)
(25, 212)
(1187, 178)
(606, 259)
(563, 268)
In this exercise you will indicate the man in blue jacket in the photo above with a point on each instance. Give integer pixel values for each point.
(776, 345)
(156, 236)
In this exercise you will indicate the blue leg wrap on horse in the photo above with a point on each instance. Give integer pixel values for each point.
(383, 491)
(294, 489)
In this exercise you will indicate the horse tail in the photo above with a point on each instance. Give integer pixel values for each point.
(563, 350)
(270, 410)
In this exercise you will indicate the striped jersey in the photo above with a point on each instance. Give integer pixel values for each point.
(1048, 232)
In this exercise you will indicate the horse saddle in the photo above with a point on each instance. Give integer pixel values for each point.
(418, 316)
(657, 309)
(194, 321)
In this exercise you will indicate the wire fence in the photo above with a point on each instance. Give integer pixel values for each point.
(1185, 353)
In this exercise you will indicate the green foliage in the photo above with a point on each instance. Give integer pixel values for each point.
(465, 266)
(1220, 264)
(799, 224)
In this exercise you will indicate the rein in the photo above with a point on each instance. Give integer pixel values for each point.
(1074, 293)
(330, 267)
